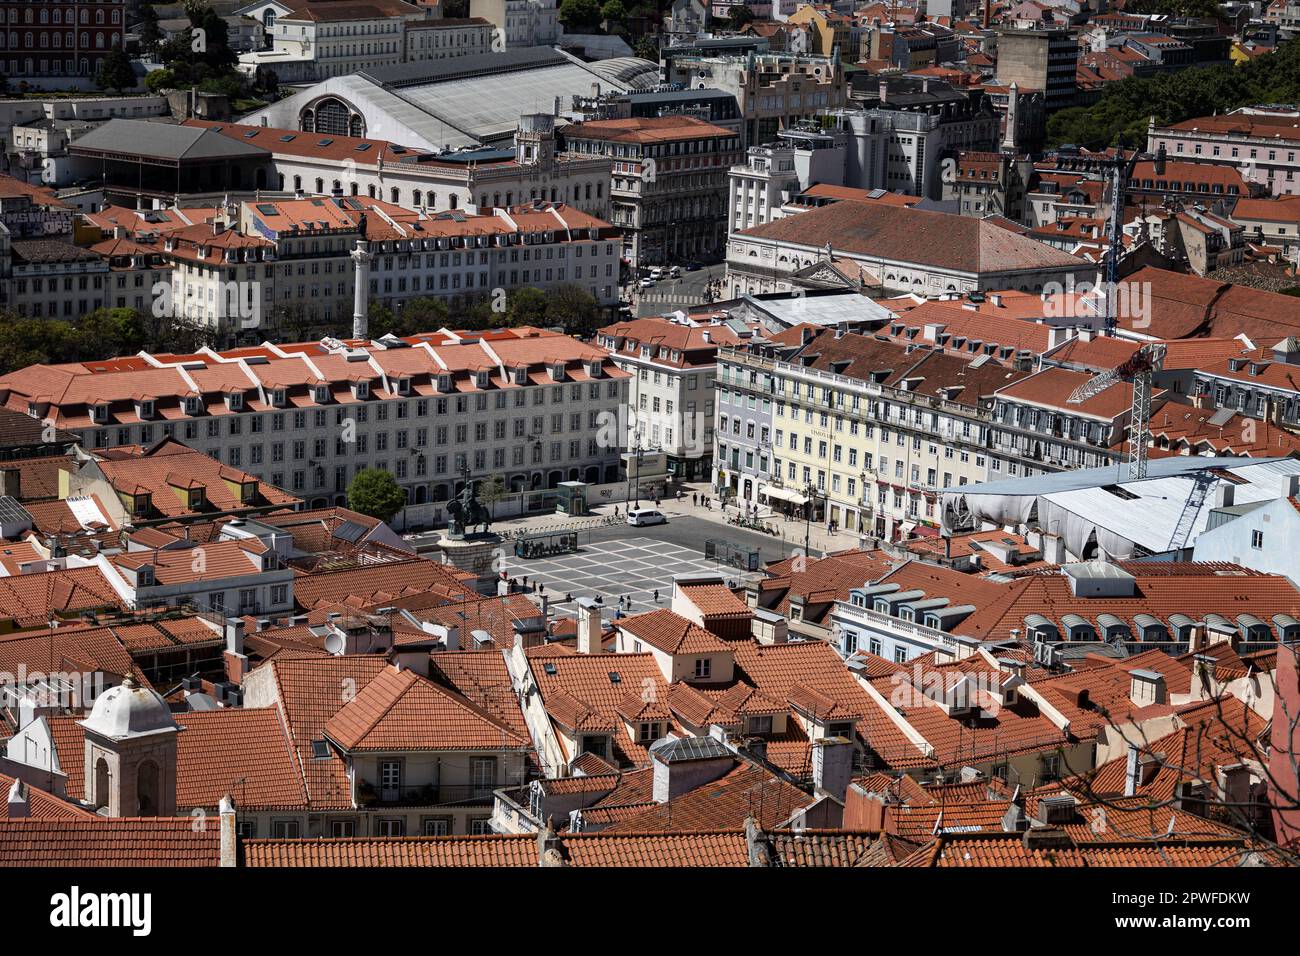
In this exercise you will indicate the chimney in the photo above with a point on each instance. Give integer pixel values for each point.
(759, 851)
(234, 633)
(1015, 820)
(1206, 666)
(229, 833)
(1234, 784)
(414, 657)
(18, 807)
(1223, 494)
(884, 92)
(451, 641)
(1146, 688)
(1196, 636)
(550, 850)
(1131, 770)
(682, 764)
(833, 766)
(589, 626)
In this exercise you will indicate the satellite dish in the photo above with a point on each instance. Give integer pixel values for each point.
(334, 644)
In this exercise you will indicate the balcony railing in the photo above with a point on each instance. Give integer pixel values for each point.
(424, 795)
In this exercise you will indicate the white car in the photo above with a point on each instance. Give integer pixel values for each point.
(656, 273)
(640, 517)
(647, 283)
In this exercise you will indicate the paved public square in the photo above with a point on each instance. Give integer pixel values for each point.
(634, 566)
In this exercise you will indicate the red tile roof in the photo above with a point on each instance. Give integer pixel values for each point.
(109, 842)
(400, 710)
(671, 633)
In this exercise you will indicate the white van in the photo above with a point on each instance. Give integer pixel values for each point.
(657, 273)
(640, 517)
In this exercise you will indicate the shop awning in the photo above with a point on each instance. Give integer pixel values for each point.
(785, 494)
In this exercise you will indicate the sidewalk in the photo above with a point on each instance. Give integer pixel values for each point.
(790, 531)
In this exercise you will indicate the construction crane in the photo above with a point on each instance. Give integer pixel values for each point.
(1139, 368)
(1121, 171)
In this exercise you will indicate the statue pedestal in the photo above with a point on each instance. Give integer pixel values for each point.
(477, 554)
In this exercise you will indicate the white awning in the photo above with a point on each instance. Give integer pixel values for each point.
(785, 494)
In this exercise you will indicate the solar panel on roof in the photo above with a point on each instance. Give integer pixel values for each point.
(266, 209)
(349, 531)
(12, 511)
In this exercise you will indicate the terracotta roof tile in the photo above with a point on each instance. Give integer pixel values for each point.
(103, 842)
(400, 710)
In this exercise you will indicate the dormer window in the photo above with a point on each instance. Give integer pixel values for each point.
(321, 394)
(99, 413)
(140, 504)
(235, 401)
(403, 386)
(481, 379)
(196, 499)
(557, 371)
(521, 375)
(144, 576)
(444, 383)
(593, 369)
(145, 409)
(193, 404)
(278, 398)
(362, 390)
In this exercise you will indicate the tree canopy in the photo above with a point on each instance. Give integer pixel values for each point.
(115, 71)
(580, 16)
(100, 334)
(1126, 106)
(376, 493)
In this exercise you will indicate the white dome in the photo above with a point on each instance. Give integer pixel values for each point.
(129, 710)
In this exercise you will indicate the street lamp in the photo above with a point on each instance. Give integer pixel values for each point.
(809, 493)
(636, 437)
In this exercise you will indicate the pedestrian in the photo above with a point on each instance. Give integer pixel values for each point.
(656, 595)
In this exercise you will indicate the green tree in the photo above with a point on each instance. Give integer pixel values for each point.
(528, 306)
(115, 72)
(156, 81)
(491, 491)
(573, 309)
(1125, 107)
(613, 12)
(738, 15)
(647, 48)
(422, 315)
(376, 493)
(580, 16)
(150, 35)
